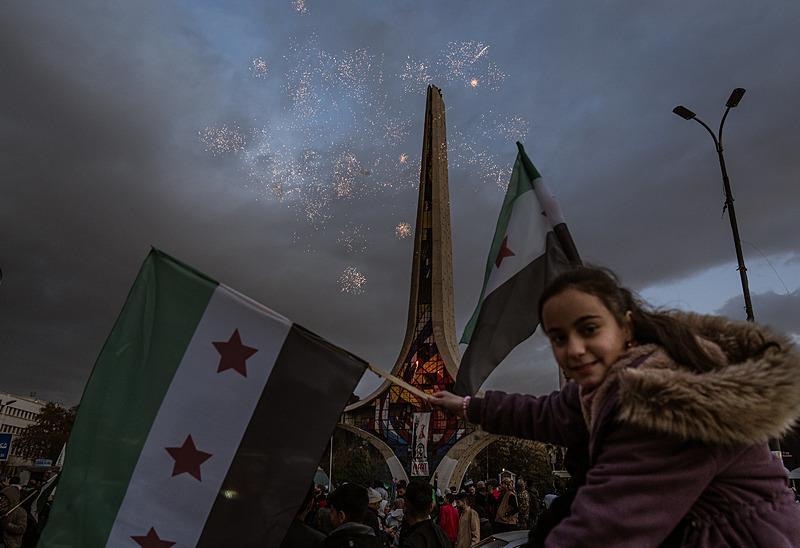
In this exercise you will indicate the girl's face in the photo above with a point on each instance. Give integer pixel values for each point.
(585, 337)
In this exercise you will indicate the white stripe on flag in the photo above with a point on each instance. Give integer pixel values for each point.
(214, 408)
(527, 239)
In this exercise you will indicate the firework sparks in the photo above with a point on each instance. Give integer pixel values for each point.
(259, 68)
(353, 238)
(402, 231)
(341, 136)
(222, 140)
(300, 6)
(415, 76)
(352, 281)
(469, 63)
(345, 170)
(481, 52)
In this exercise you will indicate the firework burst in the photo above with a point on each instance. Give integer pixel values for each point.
(352, 281)
(402, 231)
(222, 139)
(259, 68)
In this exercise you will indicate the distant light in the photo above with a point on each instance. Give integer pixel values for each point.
(684, 112)
(229, 494)
(736, 96)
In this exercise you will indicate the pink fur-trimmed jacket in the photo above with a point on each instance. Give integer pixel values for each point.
(677, 457)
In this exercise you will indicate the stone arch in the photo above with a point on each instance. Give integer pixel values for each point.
(455, 463)
(394, 464)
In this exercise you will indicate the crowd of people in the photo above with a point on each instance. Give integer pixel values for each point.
(412, 515)
(21, 522)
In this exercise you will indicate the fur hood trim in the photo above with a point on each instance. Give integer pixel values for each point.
(753, 396)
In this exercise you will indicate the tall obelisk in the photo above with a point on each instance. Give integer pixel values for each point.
(391, 417)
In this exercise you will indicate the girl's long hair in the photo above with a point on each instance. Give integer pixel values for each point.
(649, 325)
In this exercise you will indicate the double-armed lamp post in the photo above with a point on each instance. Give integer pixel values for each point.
(687, 114)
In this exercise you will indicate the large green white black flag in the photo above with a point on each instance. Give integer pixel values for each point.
(202, 423)
(531, 246)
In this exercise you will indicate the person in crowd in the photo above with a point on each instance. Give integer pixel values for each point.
(508, 508)
(379, 487)
(322, 517)
(481, 506)
(12, 522)
(448, 518)
(523, 499)
(301, 535)
(493, 499)
(535, 505)
(394, 520)
(400, 490)
(674, 411)
(419, 530)
(348, 504)
(371, 517)
(469, 526)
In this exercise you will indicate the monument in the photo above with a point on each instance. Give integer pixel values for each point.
(415, 439)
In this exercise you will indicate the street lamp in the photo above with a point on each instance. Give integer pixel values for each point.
(687, 114)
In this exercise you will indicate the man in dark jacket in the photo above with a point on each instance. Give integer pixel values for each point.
(348, 505)
(419, 531)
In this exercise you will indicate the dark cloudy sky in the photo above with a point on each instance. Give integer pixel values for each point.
(260, 141)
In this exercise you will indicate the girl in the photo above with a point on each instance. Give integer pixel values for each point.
(675, 410)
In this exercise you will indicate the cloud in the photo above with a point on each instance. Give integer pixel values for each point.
(101, 109)
(772, 309)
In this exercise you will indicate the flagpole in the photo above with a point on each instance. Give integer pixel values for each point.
(399, 382)
(330, 469)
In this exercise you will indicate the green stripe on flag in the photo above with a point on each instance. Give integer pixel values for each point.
(133, 371)
(522, 177)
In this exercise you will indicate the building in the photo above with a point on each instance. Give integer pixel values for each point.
(16, 414)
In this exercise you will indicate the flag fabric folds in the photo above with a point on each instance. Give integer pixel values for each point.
(531, 246)
(202, 423)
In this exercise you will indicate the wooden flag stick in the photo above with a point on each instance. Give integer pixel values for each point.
(399, 382)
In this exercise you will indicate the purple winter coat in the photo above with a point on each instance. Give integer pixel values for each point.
(671, 449)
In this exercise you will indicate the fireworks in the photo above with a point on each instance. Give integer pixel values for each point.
(342, 138)
(222, 140)
(503, 128)
(300, 6)
(415, 76)
(402, 231)
(258, 67)
(468, 62)
(345, 170)
(352, 281)
(353, 239)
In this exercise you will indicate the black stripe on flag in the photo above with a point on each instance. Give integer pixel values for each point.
(302, 401)
(508, 316)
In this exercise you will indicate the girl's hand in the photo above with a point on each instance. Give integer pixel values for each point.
(448, 401)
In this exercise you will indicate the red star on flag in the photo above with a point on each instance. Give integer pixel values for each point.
(233, 354)
(188, 458)
(151, 540)
(503, 253)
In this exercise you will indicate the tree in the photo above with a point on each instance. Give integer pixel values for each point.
(354, 460)
(45, 438)
(527, 459)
